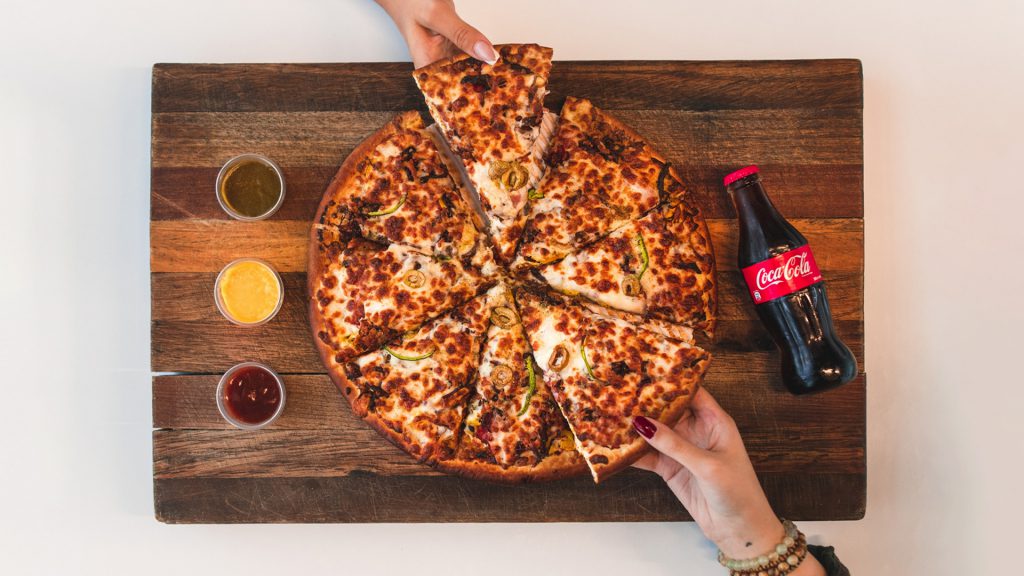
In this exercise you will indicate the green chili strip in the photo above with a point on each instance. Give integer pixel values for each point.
(408, 358)
(392, 209)
(532, 389)
(645, 258)
(586, 362)
(532, 194)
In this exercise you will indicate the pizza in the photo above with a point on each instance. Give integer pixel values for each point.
(396, 187)
(659, 266)
(513, 429)
(413, 389)
(494, 120)
(498, 296)
(364, 294)
(604, 371)
(601, 176)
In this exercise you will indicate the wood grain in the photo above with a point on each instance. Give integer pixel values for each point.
(207, 245)
(184, 402)
(652, 85)
(633, 496)
(799, 190)
(800, 120)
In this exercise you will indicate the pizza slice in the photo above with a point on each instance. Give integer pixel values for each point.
(395, 187)
(604, 371)
(414, 388)
(365, 294)
(660, 266)
(513, 429)
(601, 176)
(494, 119)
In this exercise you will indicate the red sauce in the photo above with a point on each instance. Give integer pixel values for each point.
(252, 395)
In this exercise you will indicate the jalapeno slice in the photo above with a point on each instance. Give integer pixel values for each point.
(645, 258)
(559, 358)
(532, 386)
(391, 210)
(631, 286)
(504, 317)
(409, 357)
(414, 279)
(502, 375)
(586, 362)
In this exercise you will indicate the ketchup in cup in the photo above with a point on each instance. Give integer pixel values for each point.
(788, 291)
(250, 396)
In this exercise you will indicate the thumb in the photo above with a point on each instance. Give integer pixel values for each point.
(446, 22)
(667, 441)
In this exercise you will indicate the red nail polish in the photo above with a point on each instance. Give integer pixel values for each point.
(645, 427)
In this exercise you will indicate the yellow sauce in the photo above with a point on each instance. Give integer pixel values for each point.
(249, 291)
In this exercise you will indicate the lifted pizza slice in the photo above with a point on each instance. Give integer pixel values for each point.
(494, 119)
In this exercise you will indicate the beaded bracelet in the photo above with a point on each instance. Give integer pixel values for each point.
(783, 559)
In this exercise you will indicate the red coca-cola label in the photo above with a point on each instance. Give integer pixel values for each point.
(784, 274)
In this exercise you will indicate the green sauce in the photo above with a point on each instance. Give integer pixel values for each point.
(251, 188)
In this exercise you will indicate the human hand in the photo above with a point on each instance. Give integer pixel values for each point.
(704, 463)
(433, 30)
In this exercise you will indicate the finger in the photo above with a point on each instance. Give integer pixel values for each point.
(667, 441)
(705, 407)
(443, 20)
(647, 462)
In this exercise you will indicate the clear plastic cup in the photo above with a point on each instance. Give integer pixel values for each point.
(226, 169)
(226, 412)
(220, 303)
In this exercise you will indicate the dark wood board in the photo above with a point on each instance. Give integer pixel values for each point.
(800, 120)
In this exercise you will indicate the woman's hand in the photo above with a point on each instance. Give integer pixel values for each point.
(434, 31)
(705, 464)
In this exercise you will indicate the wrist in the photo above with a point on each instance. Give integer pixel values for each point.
(752, 538)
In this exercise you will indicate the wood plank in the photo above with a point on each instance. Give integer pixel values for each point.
(729, 138)
(207, 245)
(652, 85)
(188, 333)
(360, 450)
(213, 346)
(633, 496)
(798, 190)
(186, 402)
(318, 435)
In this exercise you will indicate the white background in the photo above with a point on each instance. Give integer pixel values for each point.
(944, 86)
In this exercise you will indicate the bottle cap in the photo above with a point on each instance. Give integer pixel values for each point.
(741, 173)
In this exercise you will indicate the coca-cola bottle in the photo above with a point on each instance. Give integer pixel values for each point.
(788, 291)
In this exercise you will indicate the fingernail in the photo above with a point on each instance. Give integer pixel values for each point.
(483, 51)
(645, 427)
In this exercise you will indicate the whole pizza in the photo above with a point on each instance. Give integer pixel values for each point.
(500, 293)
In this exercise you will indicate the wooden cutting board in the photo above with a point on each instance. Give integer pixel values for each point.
(800, 120)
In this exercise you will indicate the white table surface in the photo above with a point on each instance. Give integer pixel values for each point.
(944, 87)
